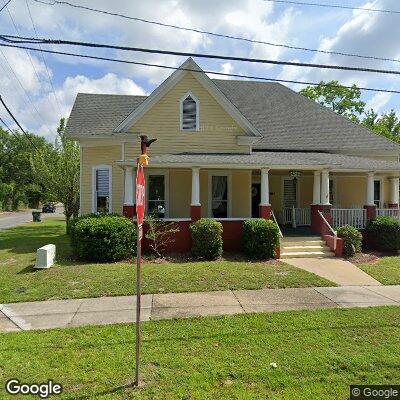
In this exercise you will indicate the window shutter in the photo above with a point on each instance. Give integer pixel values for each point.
(289, 193)
(102, 182)
(189, 110)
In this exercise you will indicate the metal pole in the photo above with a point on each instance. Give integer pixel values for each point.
(138, 295)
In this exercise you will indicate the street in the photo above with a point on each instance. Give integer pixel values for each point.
(11, 219)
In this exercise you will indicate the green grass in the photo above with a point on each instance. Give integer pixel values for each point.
(72, 279)
(386, 270)
(319, 354)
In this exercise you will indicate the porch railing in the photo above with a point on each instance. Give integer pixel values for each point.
(334, 233)
(296, 216)
(276, 222)
(388, 212)
(356, 217)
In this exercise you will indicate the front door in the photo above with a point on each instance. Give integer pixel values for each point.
(255, 199)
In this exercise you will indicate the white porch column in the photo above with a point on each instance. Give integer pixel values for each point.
(195, 186)
(394, 191)
(129, 197)
(325, 187)
(317, 188)
(264, 187)
(370, 189)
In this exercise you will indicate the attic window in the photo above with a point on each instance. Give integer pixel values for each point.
(189, 113)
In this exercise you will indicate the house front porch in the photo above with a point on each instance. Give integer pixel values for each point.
(294, 197)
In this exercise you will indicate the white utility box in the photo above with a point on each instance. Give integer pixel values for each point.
(45, 256)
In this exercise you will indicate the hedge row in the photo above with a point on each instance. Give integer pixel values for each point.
(109, 238)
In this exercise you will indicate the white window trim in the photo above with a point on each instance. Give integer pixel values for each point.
(94, 199)
(189, 93)
(381, 192)
(298, 202)
(228, 174)
(164, 173)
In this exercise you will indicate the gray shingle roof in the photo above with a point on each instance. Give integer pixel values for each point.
(278, 159)
(289, 121)
(286, 119)
(99, 114)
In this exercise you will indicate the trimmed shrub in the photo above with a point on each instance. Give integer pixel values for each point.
(352, 240)
(104, 238)
(260, 238)
(206, 239)
(383, 233)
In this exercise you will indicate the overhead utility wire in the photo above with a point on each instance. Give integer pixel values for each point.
(220, 35)
(327, 5)
(44, 61)
(18, 124)
(191, 69)
(19, 39)
(5, 5)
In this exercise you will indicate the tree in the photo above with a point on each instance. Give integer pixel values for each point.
(344, 101)
(19, 185)
(59, 170)
(387, 124)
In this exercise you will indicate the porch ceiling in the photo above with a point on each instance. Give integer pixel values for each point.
(275, 160)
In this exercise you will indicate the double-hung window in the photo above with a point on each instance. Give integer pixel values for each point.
(377, 193)
(102, 189)
(219, 196)
(157, 196)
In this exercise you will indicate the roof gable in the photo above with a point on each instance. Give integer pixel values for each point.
(171, 81)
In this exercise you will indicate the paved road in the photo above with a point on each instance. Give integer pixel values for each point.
(9, 220)
(121, 309)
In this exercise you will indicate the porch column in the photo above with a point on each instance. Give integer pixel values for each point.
(129, 193)
(394, 193)
(316, 205)
(370, 205)
(325, 188)
(195, 206)
(265, 206)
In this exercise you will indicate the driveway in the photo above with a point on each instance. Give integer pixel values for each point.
(11, 219)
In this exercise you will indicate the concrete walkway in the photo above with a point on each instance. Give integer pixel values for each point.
(111, 310)
(337, 270)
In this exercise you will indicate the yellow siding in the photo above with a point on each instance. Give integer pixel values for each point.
(180, 184)
(241, 187)
(92, 156)
(218, 130)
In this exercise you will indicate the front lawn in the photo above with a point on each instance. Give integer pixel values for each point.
(386, 270)
(318, 355)
(71, 279)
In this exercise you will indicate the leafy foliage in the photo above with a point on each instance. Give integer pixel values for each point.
(103, 238)
(352, 240)
(387, 124)
(383, 233)
(260, 239)
(160, 234)
(206, 239)
(58, 172)
(344, 101)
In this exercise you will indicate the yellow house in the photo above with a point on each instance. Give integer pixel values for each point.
(232, 150)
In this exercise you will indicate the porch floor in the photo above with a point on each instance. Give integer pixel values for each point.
(289, 231)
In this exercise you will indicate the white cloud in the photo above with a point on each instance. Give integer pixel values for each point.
(226, 68)
(379, 101)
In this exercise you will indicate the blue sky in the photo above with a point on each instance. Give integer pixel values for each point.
(38, 108)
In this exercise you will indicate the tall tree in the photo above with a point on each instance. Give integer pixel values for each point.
(342, 100)
(387, 124)
(59, 171)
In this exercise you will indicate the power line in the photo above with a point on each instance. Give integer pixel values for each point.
(18, 124)
(44, 60)
(220, 35)
(5, 5)
(304, 3)
(193, 70)
(19, 39)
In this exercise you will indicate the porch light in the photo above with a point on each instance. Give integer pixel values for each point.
(294, 175)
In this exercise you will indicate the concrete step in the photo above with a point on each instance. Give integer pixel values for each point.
(306, 247)
(301, 238)
(307, 254)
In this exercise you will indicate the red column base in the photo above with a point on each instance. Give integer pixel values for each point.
(129, 211)
(265, 212)
(315, 218)
(195, 213)
(393, 205)
(371, 212)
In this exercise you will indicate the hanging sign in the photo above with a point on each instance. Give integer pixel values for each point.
(140, 195)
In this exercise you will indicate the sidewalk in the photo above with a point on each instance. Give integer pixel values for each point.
(112, 310)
